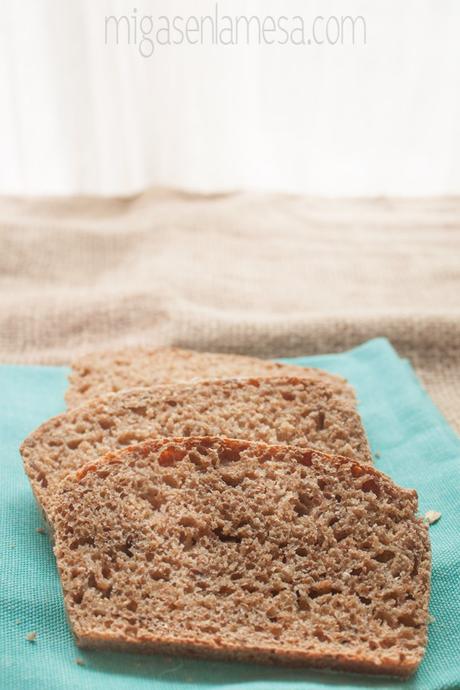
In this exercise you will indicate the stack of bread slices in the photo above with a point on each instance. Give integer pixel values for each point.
(225, 506)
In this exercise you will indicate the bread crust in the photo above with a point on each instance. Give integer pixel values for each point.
(193, 647)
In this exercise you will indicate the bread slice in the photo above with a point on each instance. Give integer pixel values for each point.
(108, 372)
(289, 410)
(243, 550)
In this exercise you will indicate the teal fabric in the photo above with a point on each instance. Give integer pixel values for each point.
(416, 446)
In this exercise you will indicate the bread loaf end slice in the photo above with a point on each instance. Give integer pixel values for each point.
(243, 550)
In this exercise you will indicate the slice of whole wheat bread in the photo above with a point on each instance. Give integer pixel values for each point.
(242, 550)
(108, 372)
(289, 410)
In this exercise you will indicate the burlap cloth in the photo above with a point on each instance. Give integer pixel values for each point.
(269, 275)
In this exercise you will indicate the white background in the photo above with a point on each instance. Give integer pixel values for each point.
(78, 116)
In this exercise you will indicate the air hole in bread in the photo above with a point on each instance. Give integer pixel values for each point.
(358, 470)
(106, 422)
(104, 587)
(81, 541)
(341, 534)
(42, 480)
(188, 521)
(303, 505)
(78, 597)
(154, 497)
(303, 604)
(129, 437)
(386, 617)
(407, 620)
(171, 480)
(140, 410)
(126, 547)
(250, 587)
(188, 540)
(320, 419)
(170, 456)
(229, 455)
(384, 556)
(320, 635)
(55, 443)
(371, 485)
(159, 573)
(222, 536)
(236, 576)
(253, 382)
(322, 588)
(198, 460)
(306, 458)
(106, 572)
(231, 479)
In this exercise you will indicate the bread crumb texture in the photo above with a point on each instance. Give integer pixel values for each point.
(295, 411)
(99, 373)
(246, 551)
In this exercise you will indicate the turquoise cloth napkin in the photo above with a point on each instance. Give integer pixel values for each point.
(415, 446)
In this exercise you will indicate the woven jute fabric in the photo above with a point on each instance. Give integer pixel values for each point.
(262, 274)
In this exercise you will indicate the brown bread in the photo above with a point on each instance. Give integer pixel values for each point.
(289, 410)
(108, 372)
(241, 550)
